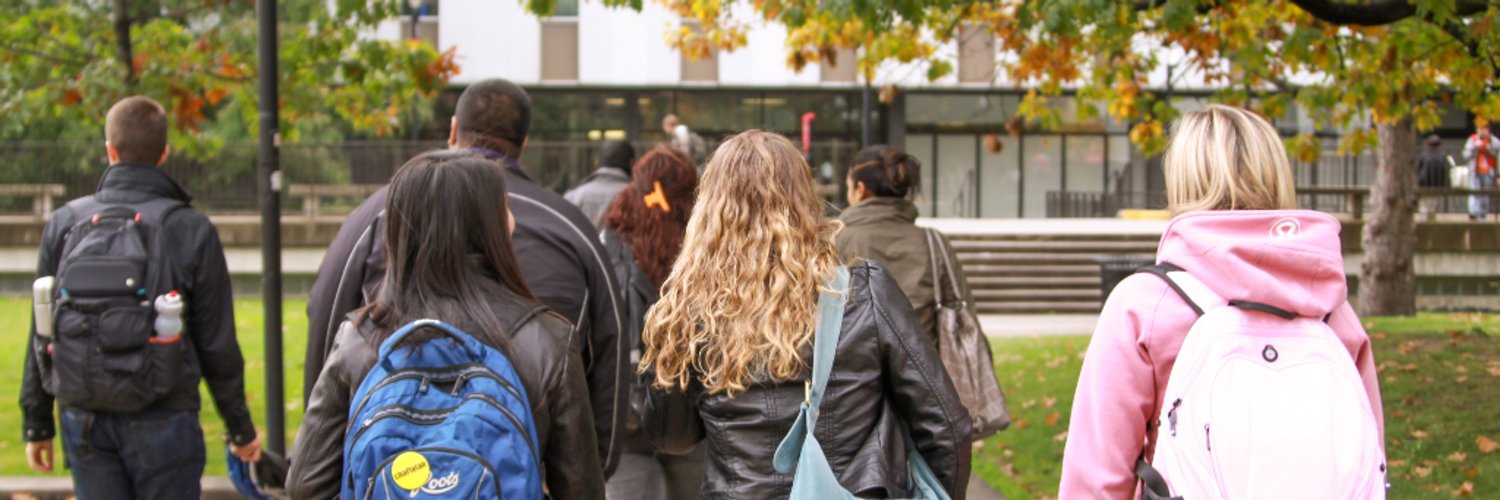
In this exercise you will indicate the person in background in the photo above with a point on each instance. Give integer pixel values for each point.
(561, 258)
(598, 190)
(1230, 189)
(158, 452)
(881, 225)
(643, 233)
(683, 140)
(728, 346)
(1481, 151)
(449, 257)
(1432, 172)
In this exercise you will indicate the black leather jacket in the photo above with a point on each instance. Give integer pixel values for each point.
(885, 380)
(547, 357)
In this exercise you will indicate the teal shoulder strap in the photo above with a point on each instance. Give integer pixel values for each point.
(826, 336)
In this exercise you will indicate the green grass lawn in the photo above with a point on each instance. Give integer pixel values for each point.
(15, 319)
(1438, 379)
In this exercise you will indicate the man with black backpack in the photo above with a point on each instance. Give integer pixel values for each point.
(140, 310)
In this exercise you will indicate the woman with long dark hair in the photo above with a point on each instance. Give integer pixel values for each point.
(448, 256)
(643, 231)
(729, 346)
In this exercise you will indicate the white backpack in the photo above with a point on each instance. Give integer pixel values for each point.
(1262, 403)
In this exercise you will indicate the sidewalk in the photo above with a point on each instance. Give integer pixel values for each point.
(60, 488)
(1028, 325)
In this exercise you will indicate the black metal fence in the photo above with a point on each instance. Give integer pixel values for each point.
(1075, 204)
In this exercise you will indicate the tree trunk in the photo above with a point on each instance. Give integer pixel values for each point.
(1387, 279)
(121, 15)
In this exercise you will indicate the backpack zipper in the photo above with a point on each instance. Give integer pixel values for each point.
(464, 372)
(435, 417)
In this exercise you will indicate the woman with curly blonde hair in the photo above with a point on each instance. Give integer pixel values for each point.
(728, 345)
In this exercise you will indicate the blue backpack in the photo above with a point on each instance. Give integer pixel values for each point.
(447, 418)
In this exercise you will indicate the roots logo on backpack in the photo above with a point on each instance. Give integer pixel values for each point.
(441, 485)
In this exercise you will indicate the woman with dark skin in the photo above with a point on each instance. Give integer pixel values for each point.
(448, 256)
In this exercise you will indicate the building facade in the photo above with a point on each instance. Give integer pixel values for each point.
(597, 73)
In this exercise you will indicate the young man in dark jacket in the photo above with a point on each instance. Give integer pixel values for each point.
(158, 452)
(557, 247)
(1432, 172)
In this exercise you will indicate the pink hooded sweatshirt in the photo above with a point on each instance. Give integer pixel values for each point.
(1290, 259)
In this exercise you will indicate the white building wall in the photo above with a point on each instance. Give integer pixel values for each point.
(624, 47)
(495, 39)
(762, 61)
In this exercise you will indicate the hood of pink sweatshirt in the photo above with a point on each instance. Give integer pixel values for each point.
(1290, 259)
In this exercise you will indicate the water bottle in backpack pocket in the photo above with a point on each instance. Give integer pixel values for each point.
(445, 417)
(103, 354)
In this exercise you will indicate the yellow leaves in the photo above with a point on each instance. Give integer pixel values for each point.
(1486, 445)
(1306, 148)
(1052, 419)
(1148, 135)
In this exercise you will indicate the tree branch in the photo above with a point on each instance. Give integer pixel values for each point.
(1377, 13)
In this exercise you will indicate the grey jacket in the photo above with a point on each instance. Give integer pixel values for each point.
(597, 192)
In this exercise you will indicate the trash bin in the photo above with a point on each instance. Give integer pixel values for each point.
(1115, 268)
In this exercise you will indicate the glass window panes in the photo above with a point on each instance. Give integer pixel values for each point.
(959, 110)
(566, 8)
(956, 186)
(1085, 164)
(1000, 179)
(920, 146)
(1042, 165)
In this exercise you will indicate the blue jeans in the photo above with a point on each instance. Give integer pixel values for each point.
(1479, 206)
(155, 455)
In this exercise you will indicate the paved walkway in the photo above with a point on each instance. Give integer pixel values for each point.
(980, 490)
(1027, 325)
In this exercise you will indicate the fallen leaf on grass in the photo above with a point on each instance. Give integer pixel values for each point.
(1021, 423)
(1419, 434)
(1461, 379)
(1421, 471)
(1009, 453)
(1472, 473)
(1028, 404)
(1409, 401)
(1493, 369)
(1486, 445)
(1048, 402)
(1409, 367)
(1398, 414)
(1052, 419)
(1461, 369)
(1407, 347)
(1397, 463)
(1062, 437)
(1465, 490)
(1379, 335)
(1458, 456)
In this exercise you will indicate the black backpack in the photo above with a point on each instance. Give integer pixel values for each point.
(103, 354)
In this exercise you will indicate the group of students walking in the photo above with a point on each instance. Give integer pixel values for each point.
(702, 334)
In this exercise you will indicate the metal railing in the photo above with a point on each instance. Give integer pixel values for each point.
(1075, 204)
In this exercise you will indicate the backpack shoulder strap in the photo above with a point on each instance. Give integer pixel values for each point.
(826, 336)
(1197, 295)
(932, 256)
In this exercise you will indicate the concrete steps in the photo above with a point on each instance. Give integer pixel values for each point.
(1032, 272)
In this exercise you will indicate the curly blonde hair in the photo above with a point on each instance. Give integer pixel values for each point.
(740, 303)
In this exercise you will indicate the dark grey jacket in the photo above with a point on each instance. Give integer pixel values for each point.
(202, 277)
(597, 191)
(563, 264)
(885, 379)
(546, 355)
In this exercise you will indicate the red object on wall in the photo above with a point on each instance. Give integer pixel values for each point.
(807, 119)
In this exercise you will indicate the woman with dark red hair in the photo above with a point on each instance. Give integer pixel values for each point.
(643, 231)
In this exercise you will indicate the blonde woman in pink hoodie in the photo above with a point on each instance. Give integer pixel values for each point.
(1235, 229)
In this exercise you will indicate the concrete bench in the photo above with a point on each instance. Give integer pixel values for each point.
(313, 194)
(43, 196)
(1354, 196)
